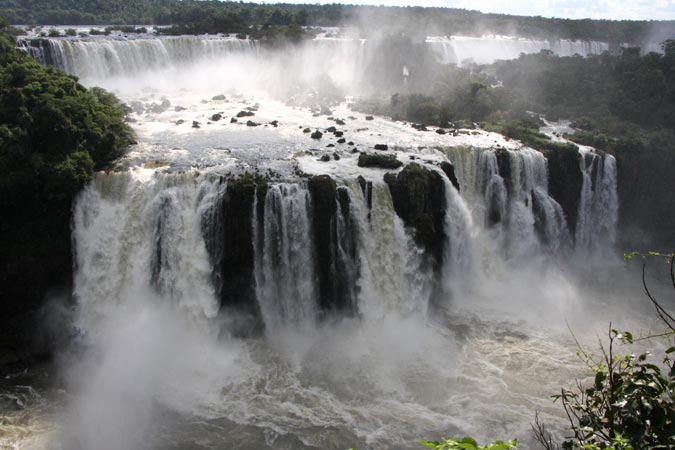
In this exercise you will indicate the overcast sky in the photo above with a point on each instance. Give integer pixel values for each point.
(573, 9)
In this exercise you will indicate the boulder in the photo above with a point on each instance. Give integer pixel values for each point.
(216, 117)
(379, 161)
(383, 147)
(218, 97)
(369, 118)
(449, 171)
(317, 135)
(250, 123)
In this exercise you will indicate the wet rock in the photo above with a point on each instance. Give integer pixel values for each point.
(179, 109)
(137, 107)
(324, 158)
(334, 264)
(229, 242)
(565, 181)
(274, 123)
(341, 141)
(218, 97)
(339, 133)
(355, 150)
(180, 122)
(306, 130)
(250, 123)
(419, 127)
(216, 117)
(449, 171)
(336, 157)
(381, 147)
(233, 120)
(245, 113)
(441, 131)
(350, 143)
(331, 130)
(339, 121)
(370, 118)
(330, 145)
(378, 160)
(418, 195)
(195, 124)
(317, 135)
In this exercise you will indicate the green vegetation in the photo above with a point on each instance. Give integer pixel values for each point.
(53, 134)
(468, 443)
(382, 161)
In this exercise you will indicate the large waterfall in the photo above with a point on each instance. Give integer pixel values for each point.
(105, 56)
(241, 281)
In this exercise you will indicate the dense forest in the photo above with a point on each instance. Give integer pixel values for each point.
(53, 134)
(233, 16)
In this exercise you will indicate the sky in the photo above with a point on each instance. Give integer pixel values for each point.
(573, 9)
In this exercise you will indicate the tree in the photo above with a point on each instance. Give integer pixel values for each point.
(631, 403)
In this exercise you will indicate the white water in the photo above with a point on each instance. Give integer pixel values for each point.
(488, 49)
(285, 277)
(598, 207)
(155, 365)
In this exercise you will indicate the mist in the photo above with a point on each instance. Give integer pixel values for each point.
(200, 315)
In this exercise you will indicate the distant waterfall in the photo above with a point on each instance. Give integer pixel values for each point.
(285, 269)
(599, 204)
(103, 57)
(487, 49)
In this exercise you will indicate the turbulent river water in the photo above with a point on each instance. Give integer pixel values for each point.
(154, 360)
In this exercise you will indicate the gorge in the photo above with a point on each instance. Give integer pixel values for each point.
(243, 278)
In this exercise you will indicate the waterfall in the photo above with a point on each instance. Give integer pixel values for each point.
(598, 205)
(392, 277)
(100, 58)
(139, 232)
(457, 255)
(488, 49)
(285, 269)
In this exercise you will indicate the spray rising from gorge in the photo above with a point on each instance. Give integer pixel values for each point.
(238, 282)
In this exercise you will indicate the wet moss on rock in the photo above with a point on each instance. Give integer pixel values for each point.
(230, 243)
(336, 290)
(418, 195)
(565, 181)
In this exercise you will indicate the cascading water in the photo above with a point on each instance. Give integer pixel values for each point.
(598, 205)
(488, 49)
(285, 270)
(389, 314)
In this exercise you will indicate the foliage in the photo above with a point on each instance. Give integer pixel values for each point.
(53, 134)
(631, 402)
(468, 443)
(383, 161)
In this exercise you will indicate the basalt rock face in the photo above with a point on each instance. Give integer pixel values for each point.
(418, 195)
(565, 181)
(335, 245)
(228, 234)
